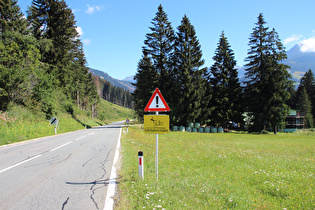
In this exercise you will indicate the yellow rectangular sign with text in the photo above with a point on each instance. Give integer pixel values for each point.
(156, 124)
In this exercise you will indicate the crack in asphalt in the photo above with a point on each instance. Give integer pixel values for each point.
(87, 161)
(65, 203)
(99, 179)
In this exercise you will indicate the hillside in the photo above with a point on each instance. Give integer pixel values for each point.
(20, 123)
(300, 62)
(115, 82)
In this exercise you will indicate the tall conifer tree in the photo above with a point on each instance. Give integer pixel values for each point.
(225, 85)
(19, 58)
(53, 24)
(159, 47)
(267, 79)
(187, 74)
(146, 82)
(307, 82)
(11, 17)
(305, 106)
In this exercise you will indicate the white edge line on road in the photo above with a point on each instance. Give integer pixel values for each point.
(24, 161)
(109, 201)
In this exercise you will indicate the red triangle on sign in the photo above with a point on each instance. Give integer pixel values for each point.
(157, 103)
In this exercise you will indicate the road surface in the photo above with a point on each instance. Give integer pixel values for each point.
(68, 171)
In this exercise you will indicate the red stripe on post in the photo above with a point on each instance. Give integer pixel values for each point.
(140, 161)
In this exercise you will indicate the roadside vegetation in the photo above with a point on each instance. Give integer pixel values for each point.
(215, 171)
(20, 123)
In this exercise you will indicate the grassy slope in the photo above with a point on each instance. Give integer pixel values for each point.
(21, 124)
(214, 171)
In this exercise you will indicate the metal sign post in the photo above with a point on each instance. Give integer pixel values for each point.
(156, 124)
(54, 121)
(157, 153)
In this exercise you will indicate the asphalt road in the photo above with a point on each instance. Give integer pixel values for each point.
(68, 171)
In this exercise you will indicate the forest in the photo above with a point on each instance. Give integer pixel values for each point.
(172, 61)
(43, 65)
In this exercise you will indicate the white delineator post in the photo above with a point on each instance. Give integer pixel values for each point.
(140, 161)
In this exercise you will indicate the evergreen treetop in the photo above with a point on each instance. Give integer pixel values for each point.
(226, 91)
(268, 79)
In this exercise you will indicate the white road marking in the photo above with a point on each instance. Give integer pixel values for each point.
(61, 146)
(109, 201)
(24, 161)
(80, 138)
(32, 158)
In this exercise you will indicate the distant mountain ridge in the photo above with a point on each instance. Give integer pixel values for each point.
(130, 79)
(116, 82)
(300, 62)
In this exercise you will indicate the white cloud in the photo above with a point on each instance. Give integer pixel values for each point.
(308, 45)
(293, 38)
(79, 30)
(298, 75)
(92, 9)
(87, 41)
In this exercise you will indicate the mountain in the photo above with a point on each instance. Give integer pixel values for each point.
(116, 82)
(300, 62)
(130, 79)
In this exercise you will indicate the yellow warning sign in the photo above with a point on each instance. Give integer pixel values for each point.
(156, 124)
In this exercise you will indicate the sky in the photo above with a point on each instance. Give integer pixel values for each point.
(113, 31)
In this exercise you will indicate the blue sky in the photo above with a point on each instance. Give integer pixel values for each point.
(113, 31)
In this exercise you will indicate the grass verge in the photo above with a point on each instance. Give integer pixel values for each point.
(218, 171)
(19, 123)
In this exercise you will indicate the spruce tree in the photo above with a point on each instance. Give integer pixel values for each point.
(54, 21)
(187, 75)
(268, 80)
(226, 91)
(53, 24)
(11, 17)
(304, 105)
(159, 47)
(19, 61)
(308, 82)
(146, 82)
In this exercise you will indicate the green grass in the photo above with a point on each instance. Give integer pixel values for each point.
(20, 124)
(215, 171)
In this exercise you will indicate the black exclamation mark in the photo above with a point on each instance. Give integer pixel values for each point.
(157, 101)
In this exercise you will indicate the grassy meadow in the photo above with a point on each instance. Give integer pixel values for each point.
(19, 124)
(218, 171)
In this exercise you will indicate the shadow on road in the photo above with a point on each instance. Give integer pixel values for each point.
(105, 127)
(104, 182)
